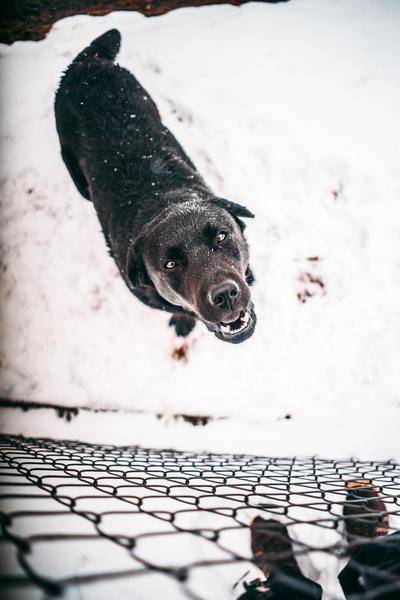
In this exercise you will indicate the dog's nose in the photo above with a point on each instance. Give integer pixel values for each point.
(225, 296)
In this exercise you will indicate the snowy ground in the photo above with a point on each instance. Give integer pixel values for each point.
(290, 109)
(168, 510)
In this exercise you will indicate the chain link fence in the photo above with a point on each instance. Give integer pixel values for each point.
(87, 521)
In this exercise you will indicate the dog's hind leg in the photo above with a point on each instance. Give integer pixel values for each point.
(76, 172)
(183, 324)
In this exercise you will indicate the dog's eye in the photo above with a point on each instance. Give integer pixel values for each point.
(170, 264)
(221, 237)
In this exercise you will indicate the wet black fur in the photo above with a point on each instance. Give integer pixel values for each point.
(122, 158)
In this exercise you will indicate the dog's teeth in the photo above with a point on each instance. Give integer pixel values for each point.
(231, 329)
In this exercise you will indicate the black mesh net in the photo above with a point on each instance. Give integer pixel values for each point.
(98, 521)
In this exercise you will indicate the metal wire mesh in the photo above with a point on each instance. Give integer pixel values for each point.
(93, 521)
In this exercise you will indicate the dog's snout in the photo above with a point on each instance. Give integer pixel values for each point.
(225, 296)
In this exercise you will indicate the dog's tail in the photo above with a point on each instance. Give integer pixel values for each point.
(103, 49)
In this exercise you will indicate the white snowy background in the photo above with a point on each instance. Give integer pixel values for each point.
(291, 109)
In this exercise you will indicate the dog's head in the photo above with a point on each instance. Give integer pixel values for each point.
(196, 257)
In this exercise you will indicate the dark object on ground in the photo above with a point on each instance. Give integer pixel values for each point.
(33, 19)
(271, 546)
(373, 567)
(364, 511)
(179, 248)
(273, 553)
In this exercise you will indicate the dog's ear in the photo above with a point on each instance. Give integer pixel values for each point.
(136, 273)
(236, 210)
(133, 271)
(249, 276)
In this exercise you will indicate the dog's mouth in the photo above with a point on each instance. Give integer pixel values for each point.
(234, 327)
(238, 330)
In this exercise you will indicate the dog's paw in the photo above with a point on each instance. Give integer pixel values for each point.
(183, 324)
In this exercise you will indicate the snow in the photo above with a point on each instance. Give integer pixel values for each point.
(290, 109)
(90, 504)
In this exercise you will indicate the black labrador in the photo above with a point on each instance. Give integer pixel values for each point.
(179, 248)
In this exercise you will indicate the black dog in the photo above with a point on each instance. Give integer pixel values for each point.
(178, 247)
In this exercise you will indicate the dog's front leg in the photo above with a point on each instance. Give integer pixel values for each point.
(183, 323)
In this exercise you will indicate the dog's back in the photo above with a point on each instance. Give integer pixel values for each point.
(105, 117)
(114, 145)
(94, 109)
